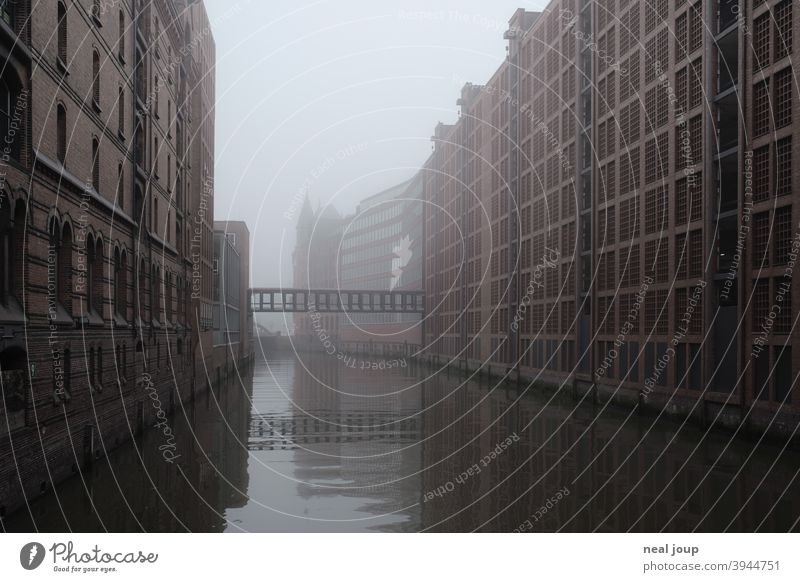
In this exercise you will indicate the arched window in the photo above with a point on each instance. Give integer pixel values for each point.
(121, 112)
(97, 283)
(61, 133)
(121, 51)
(168, 297)
(62, 34)
(120, 284)
(96, 78)
(154, 307)
(140, 146)
(94, 284)
(141, 290)
(59, 266)
(96, 164)
(96, 9)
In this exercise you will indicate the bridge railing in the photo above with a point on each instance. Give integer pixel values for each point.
(276, 300)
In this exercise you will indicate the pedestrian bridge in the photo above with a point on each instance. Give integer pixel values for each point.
(282, 300)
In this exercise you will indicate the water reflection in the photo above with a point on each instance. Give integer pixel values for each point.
(314, 445)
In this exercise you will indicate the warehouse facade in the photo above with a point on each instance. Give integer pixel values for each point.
(613, 210)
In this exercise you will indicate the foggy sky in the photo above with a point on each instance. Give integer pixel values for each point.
(339, 95)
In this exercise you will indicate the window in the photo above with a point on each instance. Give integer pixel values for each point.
(95, 283)
(12, 232)
(783, 29)
(61, 133)
(696, 83)
(7, 12)
(655, 212)
(96, 164)
(96, 79)
(680, 37)
(120, 187)
(782, 83)
(96, 10)
(761, 174)
(59, 264)
(761, 52)
(157, 90)
(783, 235)
(761, 110)
(121, 51)
(629, 171)
(11, 108)
(120, 284)
(121, 111)
(99, 370)
(761, 240)
(62, 34)
(783, 167)
(695, 27)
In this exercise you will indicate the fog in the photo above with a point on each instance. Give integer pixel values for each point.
(337, 97)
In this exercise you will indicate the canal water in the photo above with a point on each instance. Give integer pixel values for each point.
(313, 444)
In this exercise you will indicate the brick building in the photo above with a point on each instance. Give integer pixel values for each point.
(613, 210)
(232, 318)
(106, 211)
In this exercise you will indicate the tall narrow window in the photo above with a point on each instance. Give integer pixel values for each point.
(156, 89)
(96, 79)
(61, 133)
(120, 284)
(156, 154)
(121, 111)
(99, 379)
(96, 164)
(6, 250)
(10, 96)
(97, 282)
(96, 9)
(121, 51)
(62, 33)
(121, 188)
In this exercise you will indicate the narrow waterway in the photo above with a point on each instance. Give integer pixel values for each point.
(317, 445)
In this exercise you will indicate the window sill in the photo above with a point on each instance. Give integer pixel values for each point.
(12, 312)
(61, 316)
